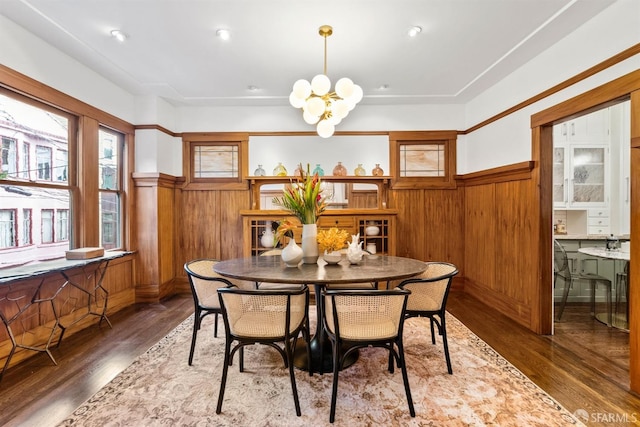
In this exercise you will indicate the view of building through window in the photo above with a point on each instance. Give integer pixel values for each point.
(110, 151)
(34, 218)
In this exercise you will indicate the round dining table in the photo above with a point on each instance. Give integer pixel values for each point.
(619, 320)
(271, 269)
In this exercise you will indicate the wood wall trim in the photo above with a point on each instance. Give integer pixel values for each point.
(592, 100)
(158, 128)
(513, 172)
(153, 179)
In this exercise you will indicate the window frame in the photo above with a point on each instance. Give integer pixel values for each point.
(120, 147)
(397, 140)
(14, 229)
(192, 140)
(82, 155)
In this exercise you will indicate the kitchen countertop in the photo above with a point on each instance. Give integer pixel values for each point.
(589, 237)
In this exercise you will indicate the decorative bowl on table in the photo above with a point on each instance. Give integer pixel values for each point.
(332, 257)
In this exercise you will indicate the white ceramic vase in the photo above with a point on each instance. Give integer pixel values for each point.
(267, 236)
(291, 254)
(310, 243)
(332, 257)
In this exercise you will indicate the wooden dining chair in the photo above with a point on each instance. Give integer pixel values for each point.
(264, 316)
(429, 293)
(204, 283)
(355, 319)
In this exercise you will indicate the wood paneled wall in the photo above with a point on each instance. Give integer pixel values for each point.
(500, 241)
(69, 302)
(155, 213)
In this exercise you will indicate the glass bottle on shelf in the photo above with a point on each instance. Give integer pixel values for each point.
(359, 171)
(339, 170)
(318, 170)
(377, 171)
(298, 171)
(259, 171)
(280, 170)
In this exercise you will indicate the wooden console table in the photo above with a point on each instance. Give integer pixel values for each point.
(23, 307)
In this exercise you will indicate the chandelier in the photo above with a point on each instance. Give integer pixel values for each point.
(320, 106)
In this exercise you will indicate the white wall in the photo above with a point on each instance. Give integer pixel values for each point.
(505, 142)
(509, 140)
(30, 55)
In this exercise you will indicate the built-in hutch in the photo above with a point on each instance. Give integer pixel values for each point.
(359, 202)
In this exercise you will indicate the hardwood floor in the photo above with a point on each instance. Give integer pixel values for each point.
(584, 366)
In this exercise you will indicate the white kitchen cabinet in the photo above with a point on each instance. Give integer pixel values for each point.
(580, 176)
(592, 128)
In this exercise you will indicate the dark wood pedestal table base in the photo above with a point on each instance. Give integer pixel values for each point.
(271, 269)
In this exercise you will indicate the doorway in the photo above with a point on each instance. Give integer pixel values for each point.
(622, 88)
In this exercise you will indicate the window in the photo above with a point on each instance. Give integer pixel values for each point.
(62, 225)
(26, 227)
(216, 160)
(46, 225)
(56, 207)
(25, 161)
(43, 160)
(423, 159)
(9, 160)
(8, 228)
(110, 147)
(61, 166)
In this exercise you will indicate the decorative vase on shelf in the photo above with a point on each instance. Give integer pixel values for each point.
(299, 171)
(267, 236)
(280, 170)
(259, 171)
(291, 254)
(339, 170)
(372, 229)
(359, 171)
(318, 170)
(377, 171)
(310, 243)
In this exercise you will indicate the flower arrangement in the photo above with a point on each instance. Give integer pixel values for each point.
(282, 229)
(332, 239)
(303, 197)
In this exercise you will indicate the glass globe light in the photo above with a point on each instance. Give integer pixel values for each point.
(302, 89)
(320, 84)
(357, 94)
(325, 128)
(315, 106)
(340, 108)
(344, 87)
(310, 118)
(335, 120)
(295, 101)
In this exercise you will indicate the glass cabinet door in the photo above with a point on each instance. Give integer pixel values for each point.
(559, 179)
(588, 175)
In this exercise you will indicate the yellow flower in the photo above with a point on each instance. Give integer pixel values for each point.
(332, 239)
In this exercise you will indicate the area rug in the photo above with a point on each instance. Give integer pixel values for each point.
(161, 389)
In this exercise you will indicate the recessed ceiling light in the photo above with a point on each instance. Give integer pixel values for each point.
(223, 34)
(414, 31)
(253, 88)
(383, 87)
(118, 35)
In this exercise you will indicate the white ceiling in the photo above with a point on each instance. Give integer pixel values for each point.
(173, 52)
